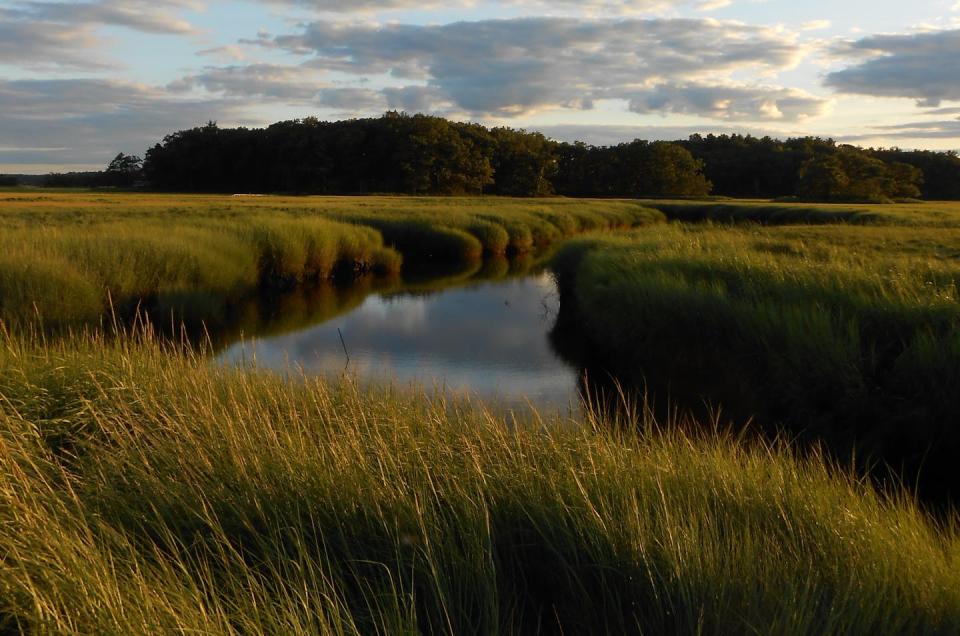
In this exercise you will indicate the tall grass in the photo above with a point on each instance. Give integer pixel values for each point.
(844, 333)
(916, 214)
(65, 257)
(143, 490)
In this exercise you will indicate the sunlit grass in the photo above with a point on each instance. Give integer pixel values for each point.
(144, 490)
(66, 257)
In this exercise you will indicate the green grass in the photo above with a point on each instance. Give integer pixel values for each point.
(916, 214)
(845, 333)
(65, 257)
(143, 490)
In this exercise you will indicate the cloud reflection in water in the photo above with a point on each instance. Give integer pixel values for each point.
(488, 339)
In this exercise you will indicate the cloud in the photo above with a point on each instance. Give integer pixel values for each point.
(921, 66)
(62, 34)
(942, 129)
(590, 7)
(417, 99)
(936, 129)
(227, 52)
(611, 135)
(30, 42)
(729, 101)
(509, 67)
(140, 15)
(271, 81)
(944, 111)
(85, 121)
(304, 85)
(712, 5)
(816, 25)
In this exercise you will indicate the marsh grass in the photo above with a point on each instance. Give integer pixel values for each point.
(71, 258)
(844, 333)
(144, 490)
(765, 212)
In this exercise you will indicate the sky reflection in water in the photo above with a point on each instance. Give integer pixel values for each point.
(488, 339)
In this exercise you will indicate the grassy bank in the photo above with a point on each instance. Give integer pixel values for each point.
(143, 490)
(944, 214)
(64, 257)
(845, 333)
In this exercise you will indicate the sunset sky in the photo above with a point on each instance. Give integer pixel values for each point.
(81, 81)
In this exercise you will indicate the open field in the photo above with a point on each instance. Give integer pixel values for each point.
(145, 491)
(65, 256)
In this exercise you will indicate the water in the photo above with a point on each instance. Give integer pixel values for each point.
(489, 339)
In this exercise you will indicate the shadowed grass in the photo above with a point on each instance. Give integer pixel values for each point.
(846, 333)
(916, 214)
(143, 490)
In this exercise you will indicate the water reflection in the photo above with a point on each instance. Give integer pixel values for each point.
(481, 332)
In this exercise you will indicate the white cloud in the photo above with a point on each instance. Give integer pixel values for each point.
(64, 34)
(942, 129)
(711, 5)
(140, 15)
(816, 25)
(505, 68)
(589, 7)
(730, 101)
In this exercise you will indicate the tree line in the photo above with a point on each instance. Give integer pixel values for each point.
(821, 169)
(421, 154)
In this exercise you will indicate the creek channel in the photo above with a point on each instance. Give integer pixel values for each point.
(488, 334)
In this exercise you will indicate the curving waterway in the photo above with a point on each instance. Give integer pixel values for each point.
(487, 338)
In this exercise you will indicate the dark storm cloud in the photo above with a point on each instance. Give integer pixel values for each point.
(921, 66)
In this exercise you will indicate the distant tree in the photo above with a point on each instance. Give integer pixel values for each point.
(124, 170)
(523, 163)
(823, 178)
(670, 170)
(9, 180)
(853, 174)
(636, 169)
(904, 181)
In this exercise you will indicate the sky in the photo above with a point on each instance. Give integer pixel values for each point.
(81, 81)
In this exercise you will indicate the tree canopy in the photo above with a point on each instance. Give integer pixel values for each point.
(421, 154)
(413, 154)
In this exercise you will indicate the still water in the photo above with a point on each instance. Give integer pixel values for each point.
(485, 338)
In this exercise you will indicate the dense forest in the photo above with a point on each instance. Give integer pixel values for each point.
(420, 154)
